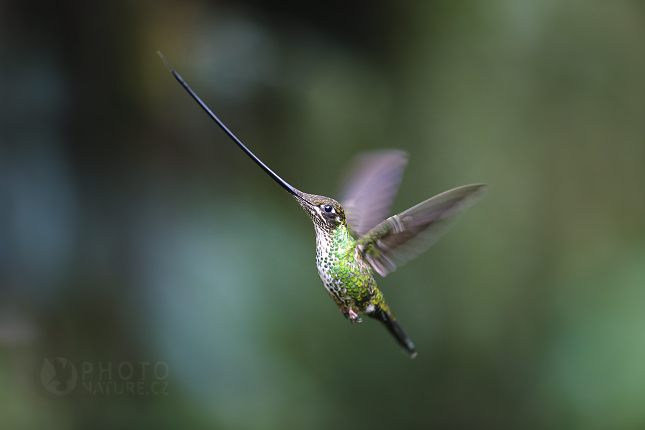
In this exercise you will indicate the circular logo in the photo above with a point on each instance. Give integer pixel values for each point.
(58, 375)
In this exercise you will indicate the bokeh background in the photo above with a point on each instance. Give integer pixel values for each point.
(132, 230)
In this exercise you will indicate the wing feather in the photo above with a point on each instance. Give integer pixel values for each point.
(370, 185)
(402, 237)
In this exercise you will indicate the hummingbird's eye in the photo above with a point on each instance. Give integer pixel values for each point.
(328, 208)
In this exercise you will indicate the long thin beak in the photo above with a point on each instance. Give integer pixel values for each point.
(284, 184)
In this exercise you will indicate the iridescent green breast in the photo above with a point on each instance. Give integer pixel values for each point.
(344, 273)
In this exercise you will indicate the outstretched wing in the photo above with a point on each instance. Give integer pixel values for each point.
(369, 187)
(402, 237)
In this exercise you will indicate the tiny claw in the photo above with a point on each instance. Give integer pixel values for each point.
(353, 316)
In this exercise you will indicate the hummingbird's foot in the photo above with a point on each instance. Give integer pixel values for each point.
(353, 316)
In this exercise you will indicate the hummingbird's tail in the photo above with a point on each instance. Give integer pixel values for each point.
(390, 322)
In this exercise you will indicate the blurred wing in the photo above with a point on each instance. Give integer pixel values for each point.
(369, 186)
(402, 237)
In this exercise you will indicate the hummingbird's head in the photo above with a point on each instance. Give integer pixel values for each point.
(326, 213)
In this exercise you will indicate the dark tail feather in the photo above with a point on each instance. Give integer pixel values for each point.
(397, 331)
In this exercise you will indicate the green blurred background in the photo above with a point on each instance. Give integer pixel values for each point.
(132, 230)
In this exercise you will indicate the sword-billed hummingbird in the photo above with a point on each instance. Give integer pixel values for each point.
(355, 239)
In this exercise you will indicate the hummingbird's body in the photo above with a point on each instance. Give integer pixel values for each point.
(346, 275)
(351, 245)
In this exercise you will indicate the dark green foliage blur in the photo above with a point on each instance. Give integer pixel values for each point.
(148, 264)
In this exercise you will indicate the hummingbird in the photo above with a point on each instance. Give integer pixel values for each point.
(355, 239)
